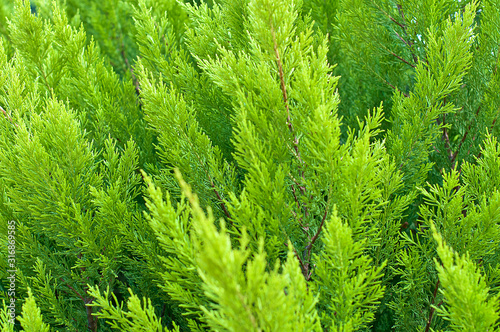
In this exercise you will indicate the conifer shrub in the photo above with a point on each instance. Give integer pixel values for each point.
(249, 165)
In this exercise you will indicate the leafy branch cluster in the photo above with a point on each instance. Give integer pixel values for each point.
(250, 165)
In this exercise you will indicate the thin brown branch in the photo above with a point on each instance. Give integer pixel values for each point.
(446, 139)
(288, 118)
(74, 290)
(295, 196)
(301, 262)
(402, 39)
(400, 24)
(400, 9)
(44, 76)
(454, 156)
(134, 78)
(392, 86)
(5, 113)
(493, 123)
(431, 312)
(282, 80)
(315, 237)
(400, 58)
(410, 44)
(303, 267)
(283, 90)
(403, 26)
(306, 271)
(91, 319)
(221, 201)
(163, 310)
(388, 15)
(302, 188)
(308, 248)
(223, 206)
(8, 116)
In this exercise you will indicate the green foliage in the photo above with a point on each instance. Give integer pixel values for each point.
(249, 165)
(32, 319)
(172, 226)
(254, 300)
(348, 283)
(447, 59)
(138, 318)
(470, 307)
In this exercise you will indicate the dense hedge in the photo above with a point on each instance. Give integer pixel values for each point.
(249, 165)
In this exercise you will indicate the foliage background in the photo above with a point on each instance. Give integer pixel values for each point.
(251, 165)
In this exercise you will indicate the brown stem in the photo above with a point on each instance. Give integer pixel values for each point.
(282, 81)
(410, 44)
(392, 19)
(134, 78)
(74, 290)
(283, 90)
(392, 86)
(386, 82)
(402, 26)
(387, 14)
(307, 251)
(454, 156)
(8, 116)
(303, 267)
(223, 206)
(446, 139)
(315, 237)
(400, 58)
(302, 188)
(285, 100)
(431, 312)
(91, 319)
(295, 196)
(403, 40)
(163, 310)
(221, 202)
